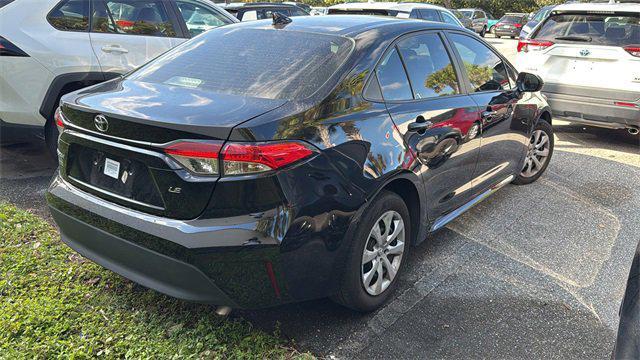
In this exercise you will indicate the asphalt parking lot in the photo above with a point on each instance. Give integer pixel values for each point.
(534, 271)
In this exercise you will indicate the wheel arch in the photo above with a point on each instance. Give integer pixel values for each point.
(66, 83)
(545, 115)
(408, 186)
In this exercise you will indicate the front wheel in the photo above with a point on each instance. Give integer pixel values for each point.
(539, 153)
(377, 255)
(483, 32)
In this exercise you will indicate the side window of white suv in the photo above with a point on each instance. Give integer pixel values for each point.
(198, 18)
(70, 15)
(134, 17)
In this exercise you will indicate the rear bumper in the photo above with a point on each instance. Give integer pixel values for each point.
(505, 32)
(225, 262)
(142, 265)
(593, 106)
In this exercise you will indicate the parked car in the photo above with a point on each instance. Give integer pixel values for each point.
(303, 169)
(589, 57)
(50, 47)
(466, 22)
(364, 8)
(491, 22)
(318, 10)
(510, 25)
(426, 12)
(420, 11)
(259, 11)
(479, 19)
(303, 6)
(535, 20)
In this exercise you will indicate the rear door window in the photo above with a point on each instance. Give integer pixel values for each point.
(392, 78)
(134, 17)
(198, 18)
(429, 66)
(429, 14)
(70, 15)
(485, 69)
(595, 29)
(449, 19)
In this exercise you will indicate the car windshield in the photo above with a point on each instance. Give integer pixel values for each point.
(262, 63)
(540, 15)
(511, 18)
(596, 29)
(467, 13)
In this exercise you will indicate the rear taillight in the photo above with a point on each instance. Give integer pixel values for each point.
(626, 104)
(57, 116)
(199, 157)
(9, 49)
(237, 158)
(518, 25)
(526, 45)
(633, 50)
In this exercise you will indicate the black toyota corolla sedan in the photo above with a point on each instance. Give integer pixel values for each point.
(269, 162)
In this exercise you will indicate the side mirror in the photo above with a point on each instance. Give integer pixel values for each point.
(528, 82)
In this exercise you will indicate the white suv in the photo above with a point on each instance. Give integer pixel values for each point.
(589, 58)
(51, 47)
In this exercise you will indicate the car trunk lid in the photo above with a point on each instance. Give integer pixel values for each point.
(115, 135)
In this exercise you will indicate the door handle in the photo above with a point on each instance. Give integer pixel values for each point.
(419, 126)
(114, 49)
(489, 114)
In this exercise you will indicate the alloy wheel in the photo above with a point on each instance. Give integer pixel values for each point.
(537, 154)
(382, 253)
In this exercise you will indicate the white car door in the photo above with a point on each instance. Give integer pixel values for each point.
(126, 34)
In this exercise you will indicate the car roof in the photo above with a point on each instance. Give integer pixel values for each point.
(350, 25)
(408, 6)
(624, 7)
(364, 5)
(258, 5)
(470, 9)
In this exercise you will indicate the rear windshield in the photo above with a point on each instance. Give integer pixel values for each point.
(511, 18)
(262, 63)
(596, 29)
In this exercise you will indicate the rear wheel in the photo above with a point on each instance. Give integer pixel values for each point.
(378, 254)
(539, 154)
(513, 37)
(483, 32)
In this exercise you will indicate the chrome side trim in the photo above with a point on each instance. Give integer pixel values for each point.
(445, 219)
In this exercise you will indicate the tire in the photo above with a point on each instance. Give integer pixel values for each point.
(513, 37)
(483, 32)
(498, 36)
(51, 138)
(530, 170)
(352, 292)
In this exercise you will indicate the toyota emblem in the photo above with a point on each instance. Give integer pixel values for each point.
(585, 52)
(101, 123)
